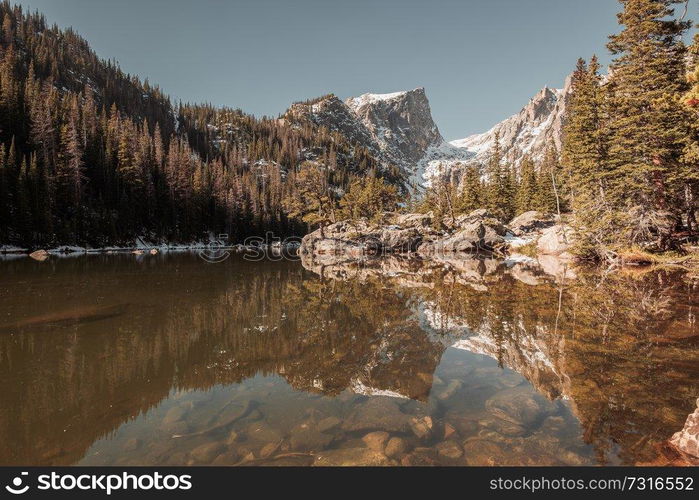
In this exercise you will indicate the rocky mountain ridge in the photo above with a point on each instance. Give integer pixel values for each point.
(399, 129)
(538, 125)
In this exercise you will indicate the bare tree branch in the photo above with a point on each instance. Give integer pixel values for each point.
(686, 8)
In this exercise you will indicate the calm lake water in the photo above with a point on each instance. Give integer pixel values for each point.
(167, 359)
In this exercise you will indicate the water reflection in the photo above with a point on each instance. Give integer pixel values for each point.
(166, 359)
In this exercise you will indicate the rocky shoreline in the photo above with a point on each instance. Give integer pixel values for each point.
(422, 235)
(141, 248)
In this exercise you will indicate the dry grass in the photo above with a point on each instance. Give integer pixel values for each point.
(635, 256)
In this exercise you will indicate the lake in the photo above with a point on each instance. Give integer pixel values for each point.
(171, 360)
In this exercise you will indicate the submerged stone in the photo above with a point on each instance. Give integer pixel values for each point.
(206, 452)
(519, 406)
(450, 449)
(379, 413)
(376, 440)
(309, 440)
(396, 447)
(422, 427)
(328, 424)
(349, 457)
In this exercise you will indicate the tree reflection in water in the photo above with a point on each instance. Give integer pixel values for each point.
(104, 358)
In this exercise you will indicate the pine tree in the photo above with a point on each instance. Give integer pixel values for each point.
(5, 193)
(8, 32)
(23, 217)
(471, 196)
(526, 194)
(648, 128)
(70, 173)
(499, 193)
(312, 199)
(688, 177)
(510, 189)
(368, 198)
(127, 163)
(586, 163)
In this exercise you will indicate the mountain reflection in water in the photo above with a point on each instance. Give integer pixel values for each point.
(166, 359)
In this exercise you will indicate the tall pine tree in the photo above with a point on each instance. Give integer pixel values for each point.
(648, 129)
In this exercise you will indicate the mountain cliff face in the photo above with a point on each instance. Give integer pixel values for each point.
(398, 128)
(400, 122)
(539, 124)
(330, 112)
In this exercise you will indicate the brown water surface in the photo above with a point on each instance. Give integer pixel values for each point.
(167, 359)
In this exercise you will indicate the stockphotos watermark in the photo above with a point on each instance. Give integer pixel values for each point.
(104, 483)
(274, 248)
(254, 248)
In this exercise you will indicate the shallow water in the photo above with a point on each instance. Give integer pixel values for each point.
(167, 359)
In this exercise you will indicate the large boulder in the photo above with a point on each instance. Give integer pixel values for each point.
(521, 406)
(394, 239)
(472, 237)
(481, 216)
(355, 239)
(556, 240)
(530, 222)
(480, 213)
(380, 413)
(340, 238)
(414, 220)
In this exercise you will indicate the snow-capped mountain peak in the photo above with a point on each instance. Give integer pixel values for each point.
(356, 102)
(398, 129)
(531, 131)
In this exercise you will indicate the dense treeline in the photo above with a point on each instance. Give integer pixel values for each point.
(506, 190)
(631, 140)
(90, 155)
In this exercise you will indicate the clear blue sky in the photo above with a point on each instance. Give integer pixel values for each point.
(479, 60)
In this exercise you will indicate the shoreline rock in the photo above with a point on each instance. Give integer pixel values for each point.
(556, 240)
(39, 255)
(416, 234)
(687, 440)
(530, 222)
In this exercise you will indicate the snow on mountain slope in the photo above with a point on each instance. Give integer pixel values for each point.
(441, 161)
(330, 112)
(364, 99)
(538, 125)
(398, 128)
(402, 125)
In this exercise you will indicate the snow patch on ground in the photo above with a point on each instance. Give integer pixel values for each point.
(12, 249)
(518, 241)
(66, 250)
(439, 160)
(142, 246)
